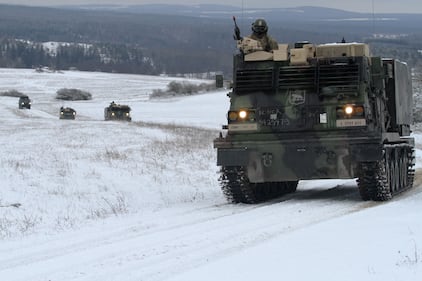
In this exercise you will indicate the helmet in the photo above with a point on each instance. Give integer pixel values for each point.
(259, 26)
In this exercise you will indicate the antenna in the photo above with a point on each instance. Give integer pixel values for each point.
(241, 21)
(373, 18)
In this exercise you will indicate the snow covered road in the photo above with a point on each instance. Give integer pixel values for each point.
(169, 242)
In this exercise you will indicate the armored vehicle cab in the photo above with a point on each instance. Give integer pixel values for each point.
(24, 102)
(328, 111)
(117, 112)
(67, 113)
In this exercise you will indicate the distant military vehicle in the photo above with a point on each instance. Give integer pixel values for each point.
(117, 112)
(67, 113)
(24, 102)
(327, 111)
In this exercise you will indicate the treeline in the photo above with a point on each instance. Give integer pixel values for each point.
(134, 43)
(407, 48)
(93, 57)
(109, 57)
(133, 59)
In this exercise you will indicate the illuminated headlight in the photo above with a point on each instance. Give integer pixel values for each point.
(112, 114)
(61, 113)
(127, 114)
(74, 113)
(241, 115)
(348, 110)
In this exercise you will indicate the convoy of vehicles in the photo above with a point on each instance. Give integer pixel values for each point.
(112, 112)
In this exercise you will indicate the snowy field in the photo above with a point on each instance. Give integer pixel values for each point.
(140, 201)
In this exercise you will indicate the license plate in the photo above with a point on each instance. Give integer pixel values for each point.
(350, 122)
(243, 127)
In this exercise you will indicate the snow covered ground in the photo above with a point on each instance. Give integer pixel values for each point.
(114, 201)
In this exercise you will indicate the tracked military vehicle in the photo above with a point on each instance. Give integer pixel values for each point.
(67, 113)
(24, 102)
(329, 111)
(117, 112)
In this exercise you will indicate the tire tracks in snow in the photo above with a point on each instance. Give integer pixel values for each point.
(157, 250)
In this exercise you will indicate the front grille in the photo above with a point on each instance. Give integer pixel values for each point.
(324, 78)
(254, 80)
(340, 77)
(296, 77)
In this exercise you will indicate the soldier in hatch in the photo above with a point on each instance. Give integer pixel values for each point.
(260, 28)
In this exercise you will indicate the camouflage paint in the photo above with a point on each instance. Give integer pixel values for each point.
(296, 127)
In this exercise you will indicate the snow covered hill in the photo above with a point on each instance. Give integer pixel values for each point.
(115, 201)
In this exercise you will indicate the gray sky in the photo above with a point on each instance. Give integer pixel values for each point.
(380, 6)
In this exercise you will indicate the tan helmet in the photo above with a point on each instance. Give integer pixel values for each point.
(260, 26)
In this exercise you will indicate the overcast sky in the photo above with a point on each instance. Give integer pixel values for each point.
(380, 6)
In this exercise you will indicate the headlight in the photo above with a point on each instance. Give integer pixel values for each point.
(233, 115)
(241, 115)
(359, 110)
(61, 113)
(74, 113)
(112, 114)
(348, 110)
(127, 113)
